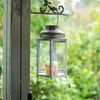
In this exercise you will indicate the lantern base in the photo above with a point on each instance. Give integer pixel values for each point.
(60, 74)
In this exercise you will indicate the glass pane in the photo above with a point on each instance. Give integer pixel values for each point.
(61, 57)
(44, 55)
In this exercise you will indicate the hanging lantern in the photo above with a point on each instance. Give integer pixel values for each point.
(52, 53)
(52, 45)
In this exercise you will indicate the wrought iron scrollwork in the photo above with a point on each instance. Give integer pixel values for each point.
(47, 7)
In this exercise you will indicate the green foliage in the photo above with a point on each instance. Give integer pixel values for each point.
(47, 89)
(1, 59)
(86, 2)
(1, 13)
(1, 40)
(83, 82)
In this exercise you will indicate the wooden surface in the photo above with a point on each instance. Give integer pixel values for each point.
(25, 65)
(16, 50)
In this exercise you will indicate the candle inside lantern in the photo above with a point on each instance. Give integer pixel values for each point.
(54, 68)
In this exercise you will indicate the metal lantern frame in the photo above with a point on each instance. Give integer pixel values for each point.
(62, 72)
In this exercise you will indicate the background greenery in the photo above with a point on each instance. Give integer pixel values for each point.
(83, 34)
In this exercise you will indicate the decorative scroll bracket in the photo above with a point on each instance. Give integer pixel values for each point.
(47, 5)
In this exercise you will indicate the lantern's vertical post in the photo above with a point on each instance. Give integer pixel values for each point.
(54, 51)
(51, 58)
(66, 58)
(38, 56)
